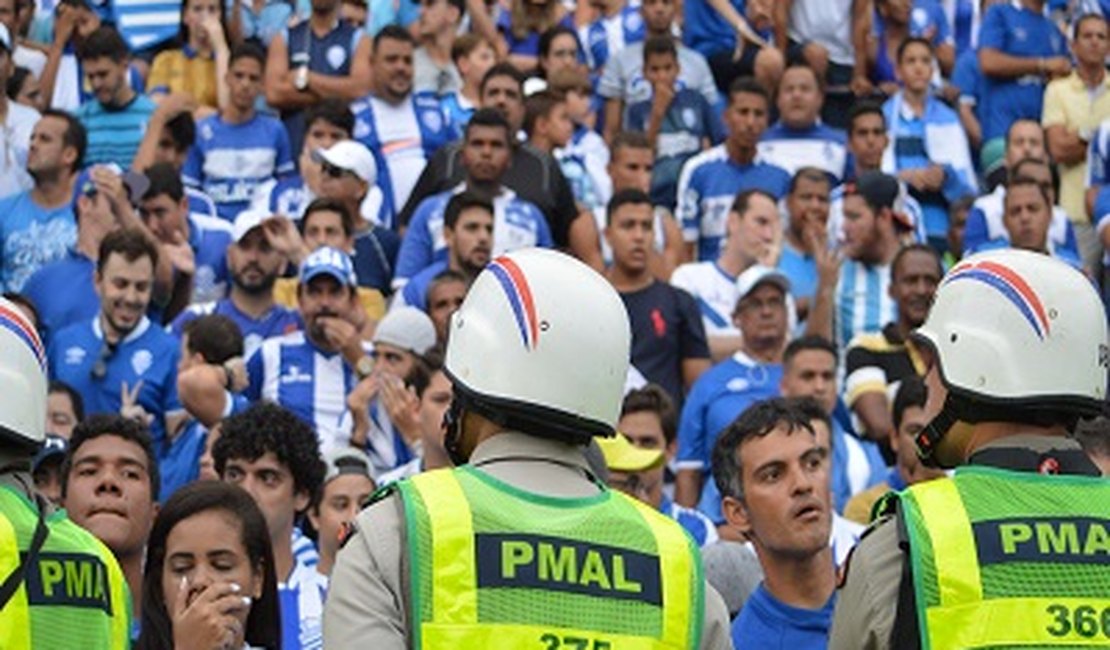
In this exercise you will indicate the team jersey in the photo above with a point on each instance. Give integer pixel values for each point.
(707, 187)
(706, 31)
(181, 464)
(292, 372)
(63, 293)
(623, 77)
(968, 77)
(80, 357)
(863, 302)
(856, 465)
(114, 133)
(457, 110)
(818, 146)
(714, 291)
(985, 229)
(209, 238)
(1101, 217)
(402, 138)
(200, 203)
(912, 212)
(301, 600)
(32, 237)
(276, 322)
(700, 527)
(608, 35)
(588, 152)
(230, 161)
(516, 224)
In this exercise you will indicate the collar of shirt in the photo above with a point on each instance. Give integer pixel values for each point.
(511, 445)
(140, 329)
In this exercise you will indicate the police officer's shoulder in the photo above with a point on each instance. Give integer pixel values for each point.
(879, 536)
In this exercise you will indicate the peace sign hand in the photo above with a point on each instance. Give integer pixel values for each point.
(129, 404)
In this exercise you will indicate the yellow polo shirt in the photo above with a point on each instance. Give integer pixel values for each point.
(184, 71)
(1069, 103)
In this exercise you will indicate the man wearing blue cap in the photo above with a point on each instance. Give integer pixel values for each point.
(310, 372)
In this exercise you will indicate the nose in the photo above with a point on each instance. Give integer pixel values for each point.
(108, 482)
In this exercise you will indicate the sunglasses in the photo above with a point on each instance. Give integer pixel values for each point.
(100, 367)
(336, 172)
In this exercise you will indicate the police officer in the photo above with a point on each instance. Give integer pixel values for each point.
(521, 546)
(1013, 550)
(60, 587)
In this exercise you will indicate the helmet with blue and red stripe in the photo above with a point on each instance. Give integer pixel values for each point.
(22, 379)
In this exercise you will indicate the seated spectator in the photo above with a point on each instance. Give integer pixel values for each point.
(28, 57)
(253, 267)
(908, 417)
(731, 386)
(586, 148)
(560, 50)
(193, 68)
(487, 154)
(23, 88)
(1028, 217)
(209, 529)
(897, 21)
(64, 409)
(433, 67)
(165, 210)
(238, 149)
(110, 488)
(794, 603)
(62, 81)
(468, 234)
(433, 390)
(473, 57)
(261, 21)
(308, 372)
(116, 119)
(274, 456)
(550, 129)
(799, 139)
(927, 146)
(16, 122)
(711, 180)
(347, 485)
(520, 28)
(46, 468)
(806, 235)
(618, 25)
(39, 225)
(679, 122)
(445, 295)
(737, 39)
(170, 135)
(119, 361)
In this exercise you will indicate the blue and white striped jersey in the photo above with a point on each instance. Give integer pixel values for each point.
(209, 238)
(301, 598)
(607, 36)
(863, 302)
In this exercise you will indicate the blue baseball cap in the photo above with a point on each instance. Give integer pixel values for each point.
(53, 447)
(328, 261)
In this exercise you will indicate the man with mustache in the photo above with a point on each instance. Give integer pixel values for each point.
(310, 372)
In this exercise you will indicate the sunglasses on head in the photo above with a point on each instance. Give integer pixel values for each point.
(336, 172)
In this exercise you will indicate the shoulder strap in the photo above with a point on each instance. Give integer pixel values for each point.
(904, 635)
(15, 578)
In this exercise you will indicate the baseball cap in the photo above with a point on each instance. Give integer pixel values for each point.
(347, 460)
(329, 261)
(247, 221)
(5, 37)
(53, 447)
(136, 183)
(407, 328)
(881, 190)
(622, 456)
(757, 275)
(351, 156)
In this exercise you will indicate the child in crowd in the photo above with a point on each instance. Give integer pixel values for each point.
(473, 56)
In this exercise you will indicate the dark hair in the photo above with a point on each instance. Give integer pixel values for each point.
(75, 399)
(656, 45)
(743, 201)
(629, 140)
(489, 117)
(808, 342)
(757, 421)
(912, 40)
(214, 337)
(503, 69)
(813, 410)
(915, 248)
(861, 109)
(393, 33)
(267, 427)
(247, 50)
(15, 82)
(75, 135)
(1027, 162)
(182, 131)
(547, 40)
(329, 205)
(1082, 19)
(182, 38)
(625, 197)
(433, 363)
(653, 399)
(748, 86)
(104, 424)
(1094, 436)
(911, 392)
(263, 628)
(332, 111)
(811, 174)
(104, 42)
(465, 44)
(539, 105)
(445, 276)
(129, 242)
(465, 200)
(164, 179)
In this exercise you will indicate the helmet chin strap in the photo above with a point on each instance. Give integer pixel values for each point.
(930, 437)
(452, 437)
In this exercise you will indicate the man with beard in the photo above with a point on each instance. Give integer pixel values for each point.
(468, 232)
(310, 372)
(487, 154)
(38, 224)
(119, 361)
(877, 362)
(254, 265)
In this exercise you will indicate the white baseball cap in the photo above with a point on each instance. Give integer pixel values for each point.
(351, 156)
(247, 221)
(5, 37)
(407, 328)
(757, 275)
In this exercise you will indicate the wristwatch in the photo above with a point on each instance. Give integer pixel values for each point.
(300, 78)
(365, 367)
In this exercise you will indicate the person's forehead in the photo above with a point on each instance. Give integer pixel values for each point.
(633, 211)
(780, 444)
(814, 358)
(634, 155)
(393, 47)
(348, 484)
(110, 448)
(118, 264)
(799, 76)
(323, 219)
(475, 213)
(267, 461)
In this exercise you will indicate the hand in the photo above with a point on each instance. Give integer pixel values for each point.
(240, 378)
(215, 31)
(209, 622)
(342, 336)
(173, 105)
(662, 96)
(110, 184)
(1057, 66)
(860, 84)
(932, 178)
(403, 407)
(358, 403)
(828, 260)
(180, 254)
(65, 22)
(129, 404)
(284, 238)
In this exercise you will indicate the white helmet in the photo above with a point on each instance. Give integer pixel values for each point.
(1016, 330)
(541, 342)
(22, 379)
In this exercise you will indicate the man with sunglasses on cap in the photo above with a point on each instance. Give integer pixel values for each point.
(1011, 551)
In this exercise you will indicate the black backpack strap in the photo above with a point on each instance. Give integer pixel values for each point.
(15, 578)
(905, 634)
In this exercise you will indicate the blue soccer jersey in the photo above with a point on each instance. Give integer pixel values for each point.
(818, 146)
(608, 35)
(278, 321)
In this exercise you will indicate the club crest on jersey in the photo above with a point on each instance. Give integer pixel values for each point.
(1011, 285)
(17, 324)
(141, 361)
(336, 56)
(518, 292)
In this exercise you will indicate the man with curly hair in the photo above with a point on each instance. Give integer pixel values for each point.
(273, 455)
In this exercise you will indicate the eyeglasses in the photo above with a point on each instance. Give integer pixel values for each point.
(100, 367)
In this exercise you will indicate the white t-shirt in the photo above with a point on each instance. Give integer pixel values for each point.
(401, 143)
(15, 140)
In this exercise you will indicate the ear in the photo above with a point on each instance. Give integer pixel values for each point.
(300, 501)
(313, 518)
(736, 514)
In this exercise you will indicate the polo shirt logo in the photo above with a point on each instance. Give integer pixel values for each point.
(141, 361)
(74, 356)
(738, 385)
(336, 56)
(294, 376)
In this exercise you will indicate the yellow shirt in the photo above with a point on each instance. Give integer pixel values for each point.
(373, 303)
(184, 71)
(1068, 103)
(858, 508)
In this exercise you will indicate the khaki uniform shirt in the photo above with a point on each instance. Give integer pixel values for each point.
(369, 599)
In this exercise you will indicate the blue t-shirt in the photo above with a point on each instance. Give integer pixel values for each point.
(33, 237)
(968, 77)
(801, 269)
(769, 624)
(63, 293)
(1021, 32)
(706, 31)
(181, 464)
(147, 354)
(230, 161)
(276, 322)
(530, 44)
(209, 238)
(415, 291)
(927, 20)
(114, 133)
(375, 258)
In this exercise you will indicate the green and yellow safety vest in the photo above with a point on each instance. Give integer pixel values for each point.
(1004, 559)
(73, 596)
(494, 566)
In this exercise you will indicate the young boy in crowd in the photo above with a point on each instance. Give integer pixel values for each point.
(679, 122)
(549, 128)
(473, 56)
(585, 144)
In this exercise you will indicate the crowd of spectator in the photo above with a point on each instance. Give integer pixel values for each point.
(242, 227)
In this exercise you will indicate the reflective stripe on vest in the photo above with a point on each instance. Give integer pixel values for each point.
(15, 617)
(1011, 559)
(467, 554)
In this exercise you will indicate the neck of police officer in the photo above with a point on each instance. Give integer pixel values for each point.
(806, 582)
(985, 433)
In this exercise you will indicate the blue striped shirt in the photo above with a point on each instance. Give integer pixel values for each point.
(115, 133)
(607, 36)
(818, 146)
(863, 302)
(146, 23)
